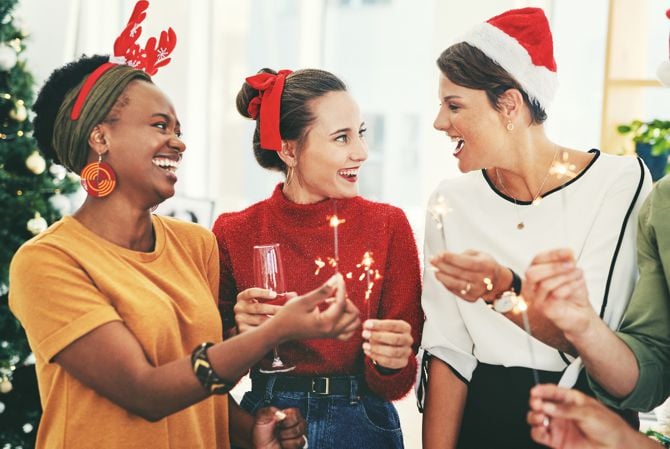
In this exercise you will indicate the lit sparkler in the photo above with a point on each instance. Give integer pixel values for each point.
(563, 168)
(522, 308)
(438, 210)
(335, 222)
(369, 275)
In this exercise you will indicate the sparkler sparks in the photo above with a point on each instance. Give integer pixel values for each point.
(335, 222)
(563, 168)
(439, 210)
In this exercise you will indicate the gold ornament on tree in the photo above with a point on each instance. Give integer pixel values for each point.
(36, 163)
(5, 385)
(37, 224)
(19, 113)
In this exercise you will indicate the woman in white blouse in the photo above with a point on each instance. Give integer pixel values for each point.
(521, 194)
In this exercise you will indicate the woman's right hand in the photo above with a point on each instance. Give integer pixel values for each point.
(250, 309)
(556, 285)
(305, 317)
(562, 418)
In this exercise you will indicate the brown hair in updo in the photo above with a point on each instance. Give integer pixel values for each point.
(300, 88)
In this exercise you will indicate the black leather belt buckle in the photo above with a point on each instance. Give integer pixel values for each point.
(321, 385)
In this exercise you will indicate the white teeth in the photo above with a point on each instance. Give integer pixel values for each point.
(349, 173)
(459, 146)
(165, 163)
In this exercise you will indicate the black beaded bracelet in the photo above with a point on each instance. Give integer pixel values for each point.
(202, 369)
(516, 282)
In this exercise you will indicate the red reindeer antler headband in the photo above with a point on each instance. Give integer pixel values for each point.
(268, 104)
(126, 51)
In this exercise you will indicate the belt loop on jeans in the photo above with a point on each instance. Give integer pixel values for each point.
(354, 397)
(320, 385)
(269, 387)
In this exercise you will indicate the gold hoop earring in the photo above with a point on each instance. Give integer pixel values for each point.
(510, 126)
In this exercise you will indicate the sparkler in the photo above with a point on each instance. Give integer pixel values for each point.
(369, 275)
(335, 222)
(563, 168)
(522, 308)
(438, 210)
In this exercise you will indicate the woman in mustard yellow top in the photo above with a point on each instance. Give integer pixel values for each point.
(119, 305)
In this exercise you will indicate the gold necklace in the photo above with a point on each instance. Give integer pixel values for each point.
(535, 199)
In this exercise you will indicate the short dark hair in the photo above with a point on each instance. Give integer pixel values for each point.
(469, 67)
(300, 89)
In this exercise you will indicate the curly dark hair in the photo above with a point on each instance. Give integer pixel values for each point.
(52, 95)
(300, 88)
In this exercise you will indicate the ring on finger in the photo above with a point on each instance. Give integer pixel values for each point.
(305, 444)
(466, 290)
(488, 284)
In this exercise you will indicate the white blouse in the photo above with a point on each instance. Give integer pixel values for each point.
(594, 213)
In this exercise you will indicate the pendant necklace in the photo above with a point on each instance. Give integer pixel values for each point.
(535, 199)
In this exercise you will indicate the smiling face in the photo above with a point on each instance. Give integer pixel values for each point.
(332, 152)
(140, 140)
(475, 127)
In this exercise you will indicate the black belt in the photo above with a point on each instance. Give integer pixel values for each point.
(320, 385)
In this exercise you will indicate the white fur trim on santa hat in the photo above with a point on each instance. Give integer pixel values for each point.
(539, 82)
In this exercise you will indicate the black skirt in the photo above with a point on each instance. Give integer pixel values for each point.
(497, 405)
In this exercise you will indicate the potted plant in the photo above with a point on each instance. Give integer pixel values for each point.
(652, 143)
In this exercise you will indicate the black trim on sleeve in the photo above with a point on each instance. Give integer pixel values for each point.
(621, 234)
(422, 388)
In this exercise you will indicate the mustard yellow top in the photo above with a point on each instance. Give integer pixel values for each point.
(67, 281)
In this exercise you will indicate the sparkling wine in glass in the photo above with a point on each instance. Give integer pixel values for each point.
(269, 274)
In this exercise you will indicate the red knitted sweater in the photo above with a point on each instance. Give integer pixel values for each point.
(305, 236)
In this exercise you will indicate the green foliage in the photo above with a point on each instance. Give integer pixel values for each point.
(25, 189)
(655, 133)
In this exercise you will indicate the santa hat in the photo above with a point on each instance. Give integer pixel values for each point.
(520, 41)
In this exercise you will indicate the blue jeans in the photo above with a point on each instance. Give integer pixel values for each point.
(355, 421)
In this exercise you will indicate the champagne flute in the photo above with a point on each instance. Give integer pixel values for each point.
(269, 274)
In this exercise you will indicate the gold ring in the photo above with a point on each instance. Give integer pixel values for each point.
(466, 290)
(488, 283)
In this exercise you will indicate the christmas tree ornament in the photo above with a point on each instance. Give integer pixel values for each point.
(61, 203)
(2, 407)
(16, 44)
(8, 57)
(5, 385)
(58, 171)
(27, 427)
(98, 178)
(37, 224)
(663, 71)
(19, 113)
(36, 163)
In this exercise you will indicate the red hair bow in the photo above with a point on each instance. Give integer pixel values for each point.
(154, 55)
(268, 104)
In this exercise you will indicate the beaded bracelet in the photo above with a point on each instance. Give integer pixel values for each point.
(202, 369)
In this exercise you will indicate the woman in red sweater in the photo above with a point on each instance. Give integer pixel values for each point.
(309, 128)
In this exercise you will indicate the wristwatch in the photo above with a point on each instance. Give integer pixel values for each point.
(505, 303)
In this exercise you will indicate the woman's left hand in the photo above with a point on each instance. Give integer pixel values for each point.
(279, 429)
(472, 275)
(388, 342)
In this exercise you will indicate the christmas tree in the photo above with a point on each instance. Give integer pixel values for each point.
(32, 196)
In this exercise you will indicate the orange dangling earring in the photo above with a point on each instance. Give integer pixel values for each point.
(98, 178)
